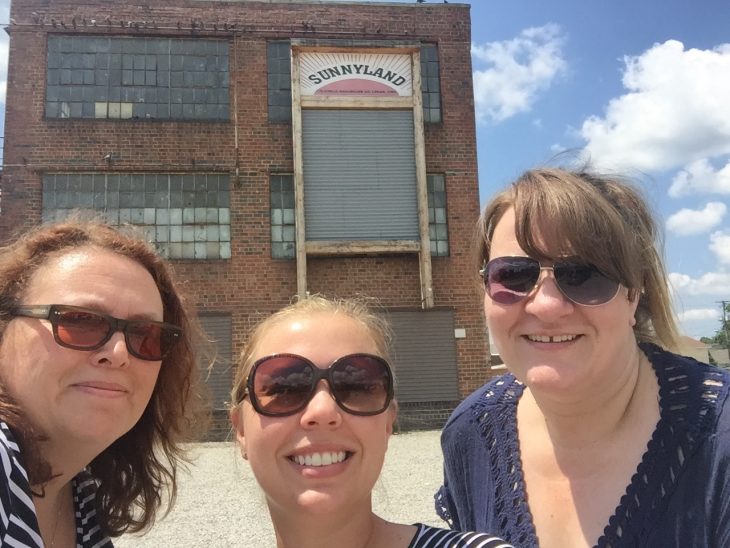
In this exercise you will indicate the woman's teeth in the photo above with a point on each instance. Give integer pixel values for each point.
(319, 459)
(553, 339)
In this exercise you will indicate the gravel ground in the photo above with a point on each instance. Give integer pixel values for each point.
(219, 503)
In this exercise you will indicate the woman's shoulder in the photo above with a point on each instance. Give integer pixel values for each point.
(9, 451)
(500, 391)
(692, 390)
(427, 536)
(19, 526)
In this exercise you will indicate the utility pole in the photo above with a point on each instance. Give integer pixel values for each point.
(725, 321)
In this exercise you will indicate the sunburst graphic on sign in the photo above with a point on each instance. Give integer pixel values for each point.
(361, 74)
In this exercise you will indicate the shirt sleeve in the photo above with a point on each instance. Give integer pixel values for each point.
(722, 478)
(18, 522)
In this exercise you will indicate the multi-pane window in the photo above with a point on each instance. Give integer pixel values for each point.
(430, 88)
(283, 231)
(437, 227)
(278, 58)
(187, 216)
(137, 78)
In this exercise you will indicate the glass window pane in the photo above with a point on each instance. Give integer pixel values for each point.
(188, 233)
(277, 217)
(176, 216)
(176, 233)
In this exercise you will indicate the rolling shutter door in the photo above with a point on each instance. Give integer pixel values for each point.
(359, 175)
(424, 355)
(219, 377)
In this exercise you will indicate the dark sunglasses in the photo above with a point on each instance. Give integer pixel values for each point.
(283, 384)
(508, 280)
(84, 329)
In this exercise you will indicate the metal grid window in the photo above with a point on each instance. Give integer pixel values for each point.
(437, 227)
(278, 59)
(186, 216)
(430, 84)
(137, 78)
(283, 231)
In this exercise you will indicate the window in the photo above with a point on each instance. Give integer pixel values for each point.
(430, 86)
(186, 216)
(283, 231)
(278, 61)
(137, 78)
(437, 227)
(218, 376)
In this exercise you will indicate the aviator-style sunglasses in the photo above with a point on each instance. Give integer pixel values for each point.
(83, 329)
(283, 384)
(508, 280)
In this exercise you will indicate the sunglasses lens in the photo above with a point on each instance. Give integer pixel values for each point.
(81, 329)
(509, 279)
(584, 284)
(362, 384)
(149, 341)
(282, 385)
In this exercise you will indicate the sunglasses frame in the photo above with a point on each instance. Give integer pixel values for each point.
(484, 274)
(53, 312)
(318, 374)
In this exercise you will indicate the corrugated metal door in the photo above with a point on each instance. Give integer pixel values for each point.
(359, 175)
(219, 377)
(424, 355)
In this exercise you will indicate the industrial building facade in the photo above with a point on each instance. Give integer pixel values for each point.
(269, 149)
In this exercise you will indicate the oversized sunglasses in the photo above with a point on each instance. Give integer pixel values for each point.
(84, 329)
(508, 280)
(283, 384)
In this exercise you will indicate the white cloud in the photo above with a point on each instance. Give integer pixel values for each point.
(710, 283)
(699, 177)
(720, 246)
(518, 70)
(675, 111)
(693, 221)
(699, 314)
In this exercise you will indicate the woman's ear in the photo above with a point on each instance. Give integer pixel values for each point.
(392, 416)
(236, 415)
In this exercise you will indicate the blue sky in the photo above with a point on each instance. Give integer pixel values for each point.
(642, 88)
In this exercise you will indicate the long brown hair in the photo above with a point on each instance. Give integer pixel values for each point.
(601, 219)
(132, 472)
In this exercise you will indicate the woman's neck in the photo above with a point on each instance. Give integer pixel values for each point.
(584, 420)
(363, 530)
(55, 513)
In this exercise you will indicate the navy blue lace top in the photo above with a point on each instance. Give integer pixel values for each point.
(678, 497)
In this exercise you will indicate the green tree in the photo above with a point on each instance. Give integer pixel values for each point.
(722, 336)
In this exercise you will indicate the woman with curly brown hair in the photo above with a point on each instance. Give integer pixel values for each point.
(98, 385)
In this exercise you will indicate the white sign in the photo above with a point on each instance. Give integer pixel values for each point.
(360, 74)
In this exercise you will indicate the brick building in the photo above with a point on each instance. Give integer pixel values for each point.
(268, 148)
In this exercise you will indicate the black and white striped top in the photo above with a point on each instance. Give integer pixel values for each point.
(433, 537)
(18, 522)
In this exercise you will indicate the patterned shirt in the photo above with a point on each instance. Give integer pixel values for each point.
(433, 537)
(678, 497)
(18, 521)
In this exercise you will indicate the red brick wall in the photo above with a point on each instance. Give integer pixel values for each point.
(251, 284)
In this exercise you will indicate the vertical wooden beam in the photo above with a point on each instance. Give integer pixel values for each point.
(424, 256)
(296, 122)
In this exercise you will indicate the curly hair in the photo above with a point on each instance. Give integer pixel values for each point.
(132, 472)
(602, 219)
